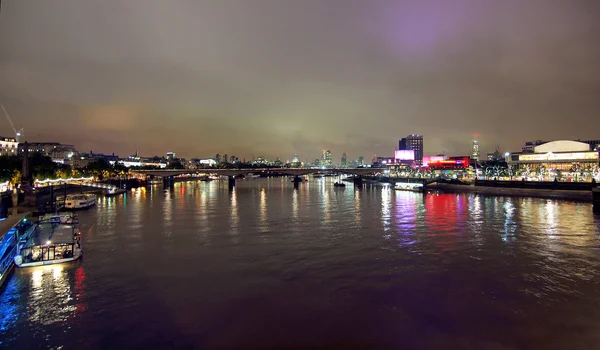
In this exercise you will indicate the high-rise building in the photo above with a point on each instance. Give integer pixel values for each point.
(361, 160)
(218, 158)
(225, 158)
(402, 144)
(170, 155)
(475, 150)
(415, 143)
(327, 159)
(344, 160)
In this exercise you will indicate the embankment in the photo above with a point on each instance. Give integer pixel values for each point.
(574, 195)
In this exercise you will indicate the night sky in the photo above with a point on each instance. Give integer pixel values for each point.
(279, 77)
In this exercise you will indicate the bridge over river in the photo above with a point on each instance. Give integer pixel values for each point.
(358, 173)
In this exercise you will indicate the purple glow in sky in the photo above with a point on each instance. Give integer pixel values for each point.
(285, 77)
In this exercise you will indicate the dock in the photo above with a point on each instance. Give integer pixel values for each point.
(8, 243)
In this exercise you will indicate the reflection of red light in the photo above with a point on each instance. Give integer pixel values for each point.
(80, 291)
(443, 213)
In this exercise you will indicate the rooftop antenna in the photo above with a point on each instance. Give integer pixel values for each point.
(18, 133)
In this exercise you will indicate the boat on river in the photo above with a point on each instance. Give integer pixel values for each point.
(80, 201)
(414, 187)
(59, 218)
(339, 184)
(50, 242)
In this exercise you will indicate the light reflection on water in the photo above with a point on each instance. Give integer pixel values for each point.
(265, 265)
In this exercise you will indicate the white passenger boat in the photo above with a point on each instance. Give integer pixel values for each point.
(402, 186)
(80, 201)
(50, 243)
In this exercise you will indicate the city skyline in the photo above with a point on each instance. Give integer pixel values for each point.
(282, 77)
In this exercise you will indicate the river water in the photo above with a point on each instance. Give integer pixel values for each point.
(266, 266)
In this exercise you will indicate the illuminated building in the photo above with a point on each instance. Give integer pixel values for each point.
(344, 160)
(225, 158)
(8, 146)
(415, 143)
(171, 155)
(327, 159)
(452, 163)
(529, 145)
(563, 155)
(475, 150)
(428, 159)
(361, 160)
(218, 158)
(404, 156)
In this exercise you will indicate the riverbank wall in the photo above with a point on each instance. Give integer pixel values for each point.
(538, 185)
(573, 195)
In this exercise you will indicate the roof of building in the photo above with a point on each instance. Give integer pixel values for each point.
(562, 146)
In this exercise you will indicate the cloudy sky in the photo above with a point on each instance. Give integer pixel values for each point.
(279, 77)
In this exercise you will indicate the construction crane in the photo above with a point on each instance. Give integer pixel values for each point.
(18, 133)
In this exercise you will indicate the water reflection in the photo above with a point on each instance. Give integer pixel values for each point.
(326, 206)
(357, 211)
(50, 295)
(295, 205)
(264, 219)
(386, 193)
(405, 217)
(524, 262)
(510, 226)
(233, 213)
(168, 213)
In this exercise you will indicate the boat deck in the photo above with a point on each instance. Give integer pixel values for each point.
(48, 232)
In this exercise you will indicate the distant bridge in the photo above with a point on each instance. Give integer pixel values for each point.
(238, 172)
(358, 173)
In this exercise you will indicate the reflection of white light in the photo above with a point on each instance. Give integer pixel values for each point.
(48, 242)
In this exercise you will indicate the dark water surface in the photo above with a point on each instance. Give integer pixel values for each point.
(266, 266)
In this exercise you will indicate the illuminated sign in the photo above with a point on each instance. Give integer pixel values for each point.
(558, 156)
(451, 163)
(405, 155)
(428, 159)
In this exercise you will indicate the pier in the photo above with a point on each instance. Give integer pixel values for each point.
(10, 230)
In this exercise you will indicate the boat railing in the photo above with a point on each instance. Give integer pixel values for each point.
(47, 252)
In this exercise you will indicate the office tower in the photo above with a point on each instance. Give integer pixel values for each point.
(327, 159)
(415, 143)
(344, 161)
(475, 150)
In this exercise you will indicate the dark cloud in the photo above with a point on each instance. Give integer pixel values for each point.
(285, 77)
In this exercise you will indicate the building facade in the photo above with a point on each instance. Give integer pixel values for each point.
(8, 146)
(475, 150)
(562, 159)
(414, 143)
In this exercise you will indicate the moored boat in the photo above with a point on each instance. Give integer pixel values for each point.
(62, 218)
(414, 187)
(50, 243)
(80, 201)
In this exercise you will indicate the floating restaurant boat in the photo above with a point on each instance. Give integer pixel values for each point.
(80, 201)
(50, 243)
(402, 186)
